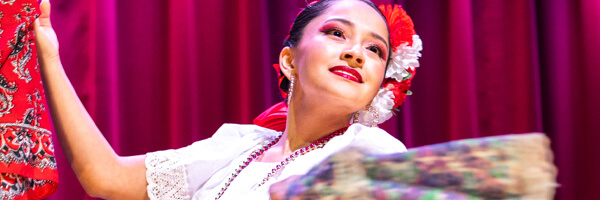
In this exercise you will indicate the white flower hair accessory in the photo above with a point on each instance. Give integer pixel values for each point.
(406, 46)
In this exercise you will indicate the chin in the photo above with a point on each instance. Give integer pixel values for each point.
(341, 95)
(349, 103)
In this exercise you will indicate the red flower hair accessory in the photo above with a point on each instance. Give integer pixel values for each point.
(406, 46)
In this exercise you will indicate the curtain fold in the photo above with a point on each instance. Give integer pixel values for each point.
(569, 49)
(163, 74)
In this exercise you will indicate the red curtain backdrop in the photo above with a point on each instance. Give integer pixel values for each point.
(162, 74)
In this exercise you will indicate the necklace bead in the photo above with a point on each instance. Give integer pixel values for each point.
(278, 168)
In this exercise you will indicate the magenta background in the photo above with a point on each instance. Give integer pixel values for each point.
(160, 74)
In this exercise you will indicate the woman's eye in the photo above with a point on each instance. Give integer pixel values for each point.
(375, 49)
(335, 32)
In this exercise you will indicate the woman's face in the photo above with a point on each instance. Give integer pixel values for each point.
(341, 56)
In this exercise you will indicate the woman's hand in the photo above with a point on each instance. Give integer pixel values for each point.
(101, 172)
(46, 40)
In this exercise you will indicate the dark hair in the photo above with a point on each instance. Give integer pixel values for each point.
(312, 11)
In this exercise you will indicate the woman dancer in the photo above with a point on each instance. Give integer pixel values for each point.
(333, 64)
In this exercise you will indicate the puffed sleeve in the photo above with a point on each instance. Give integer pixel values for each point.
(177, 174)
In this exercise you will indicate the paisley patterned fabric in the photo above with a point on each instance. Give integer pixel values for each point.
(27, 165)
(501, 167)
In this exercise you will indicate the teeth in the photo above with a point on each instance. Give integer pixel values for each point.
(346, 73)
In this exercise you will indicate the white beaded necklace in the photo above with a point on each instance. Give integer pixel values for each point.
(277, 170)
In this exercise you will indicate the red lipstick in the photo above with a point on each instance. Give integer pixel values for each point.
(347, 72)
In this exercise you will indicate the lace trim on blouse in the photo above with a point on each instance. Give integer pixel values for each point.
(166, 175)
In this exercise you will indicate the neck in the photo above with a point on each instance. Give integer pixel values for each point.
(308, 123)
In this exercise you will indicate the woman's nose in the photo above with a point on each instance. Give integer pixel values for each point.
(354, 57)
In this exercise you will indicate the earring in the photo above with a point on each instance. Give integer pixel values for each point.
(367, 117)
(291, 90)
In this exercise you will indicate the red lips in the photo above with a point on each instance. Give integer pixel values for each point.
(347, 72)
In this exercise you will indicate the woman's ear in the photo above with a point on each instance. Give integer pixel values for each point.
(286, 56)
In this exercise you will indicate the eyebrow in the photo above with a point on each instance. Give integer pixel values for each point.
(349, 23)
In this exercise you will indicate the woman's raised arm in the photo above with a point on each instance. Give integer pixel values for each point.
(100, 170)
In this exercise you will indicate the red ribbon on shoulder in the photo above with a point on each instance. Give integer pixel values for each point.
(273, 118)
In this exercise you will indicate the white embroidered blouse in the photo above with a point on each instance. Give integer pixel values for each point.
(200, 170)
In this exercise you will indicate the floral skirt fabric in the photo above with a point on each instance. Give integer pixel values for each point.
(501, 167)
(27, 165)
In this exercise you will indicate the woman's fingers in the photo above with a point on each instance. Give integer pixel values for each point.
(45, 16)
(46, 40)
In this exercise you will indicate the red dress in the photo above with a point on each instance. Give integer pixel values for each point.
(27, 164)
